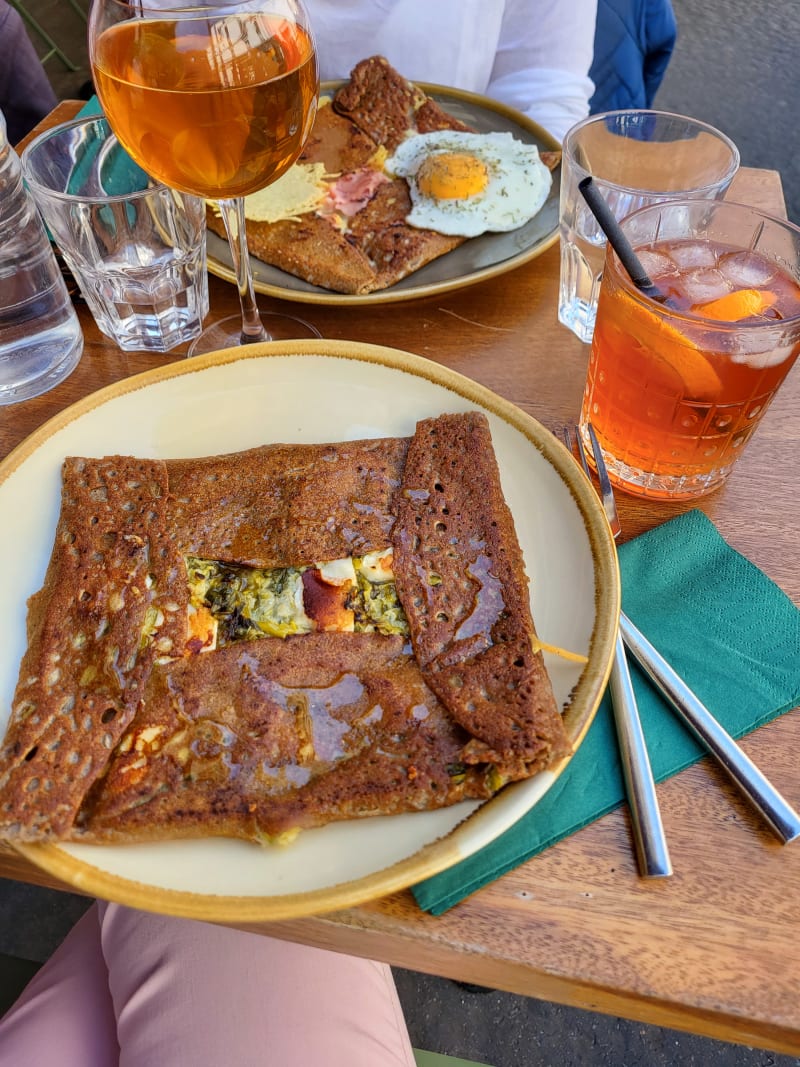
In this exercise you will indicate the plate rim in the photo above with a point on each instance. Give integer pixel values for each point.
(445, 851)
(330, 298)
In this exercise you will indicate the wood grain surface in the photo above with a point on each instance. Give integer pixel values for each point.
(711, 950)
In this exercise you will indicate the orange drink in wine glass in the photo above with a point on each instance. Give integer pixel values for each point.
(214, 99)
(677, 386)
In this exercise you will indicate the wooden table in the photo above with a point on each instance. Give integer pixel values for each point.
(711, 950)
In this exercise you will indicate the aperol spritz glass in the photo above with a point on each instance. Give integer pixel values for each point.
(676, 387)
(216, 100)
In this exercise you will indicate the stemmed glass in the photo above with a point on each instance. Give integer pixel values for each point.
(214, 99)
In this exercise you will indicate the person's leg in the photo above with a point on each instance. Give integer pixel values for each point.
(193, 994)
(64, 1015)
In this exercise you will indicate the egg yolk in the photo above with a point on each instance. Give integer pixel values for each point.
(451, 175)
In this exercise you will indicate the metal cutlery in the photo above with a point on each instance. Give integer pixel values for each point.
(650, 842)
(782, 819)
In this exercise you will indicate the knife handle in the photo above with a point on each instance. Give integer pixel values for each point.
(764, 797)
(648, 832)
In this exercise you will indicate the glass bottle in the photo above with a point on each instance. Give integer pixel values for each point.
(40, 337)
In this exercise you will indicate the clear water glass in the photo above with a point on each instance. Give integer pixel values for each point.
(137, 248)
(635, 158)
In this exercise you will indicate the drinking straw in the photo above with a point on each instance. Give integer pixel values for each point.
(598, 206)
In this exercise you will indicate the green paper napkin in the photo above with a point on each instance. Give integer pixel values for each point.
(117, 173)
(726, 628)
(91, 107)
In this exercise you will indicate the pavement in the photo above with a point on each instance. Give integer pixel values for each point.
(736, 67)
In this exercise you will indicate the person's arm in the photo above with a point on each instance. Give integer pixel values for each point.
(26, 95)
(543, 58)
(662, 32)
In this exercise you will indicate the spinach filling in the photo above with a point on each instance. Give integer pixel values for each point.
(251, 602)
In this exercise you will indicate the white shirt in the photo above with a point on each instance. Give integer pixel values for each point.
(531, 54)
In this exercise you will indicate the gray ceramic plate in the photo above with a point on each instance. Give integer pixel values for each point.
(477, 259)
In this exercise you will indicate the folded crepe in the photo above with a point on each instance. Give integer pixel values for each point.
(369, 246)
(130, 723)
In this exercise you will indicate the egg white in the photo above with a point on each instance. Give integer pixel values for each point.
(517, 187)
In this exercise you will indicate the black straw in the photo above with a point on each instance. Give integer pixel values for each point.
(598, 206)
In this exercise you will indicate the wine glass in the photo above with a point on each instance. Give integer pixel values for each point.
(214, 99)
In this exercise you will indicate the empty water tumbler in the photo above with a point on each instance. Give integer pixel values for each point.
(137, 249)
(40, 337)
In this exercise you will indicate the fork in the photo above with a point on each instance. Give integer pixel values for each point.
(781, 817)
(652, 854)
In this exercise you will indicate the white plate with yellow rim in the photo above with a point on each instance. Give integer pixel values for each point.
(315, 391)
(476, 260)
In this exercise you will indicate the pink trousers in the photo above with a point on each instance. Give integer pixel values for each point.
(138, 990)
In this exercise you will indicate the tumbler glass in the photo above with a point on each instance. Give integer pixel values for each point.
(677, 386)
(635, 158)
(136, 247)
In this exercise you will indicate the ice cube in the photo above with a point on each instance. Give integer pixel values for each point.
(656, 264)
(773, 357)
(746, 269)
(705, 284)
(693, 254)
(754, 349)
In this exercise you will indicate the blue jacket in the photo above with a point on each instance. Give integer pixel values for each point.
(633, 44)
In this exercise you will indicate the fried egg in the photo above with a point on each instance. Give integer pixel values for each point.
(465, 184)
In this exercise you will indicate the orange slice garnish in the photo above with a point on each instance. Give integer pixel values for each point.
(666, 343)
(733, 307)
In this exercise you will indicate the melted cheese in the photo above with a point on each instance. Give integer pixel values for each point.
(202, 627)
(542, 646)
(377, 566)
(338, 572)
(234, 603)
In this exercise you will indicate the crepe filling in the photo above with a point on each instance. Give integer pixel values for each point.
(230, 602)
